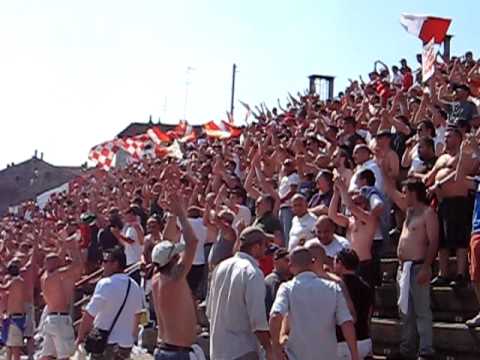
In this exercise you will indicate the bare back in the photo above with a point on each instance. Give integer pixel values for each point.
(57, 291)
(174, 306)
(413, 241)
(16, 296)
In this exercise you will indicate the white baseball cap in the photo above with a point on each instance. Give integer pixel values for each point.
(164, 251)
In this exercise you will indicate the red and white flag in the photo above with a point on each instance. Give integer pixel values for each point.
(234, 131)
(173, 151)
(188, 135)
(103, 154)
(215, 131)
(426, 27)
(158, 136)
(135, 145)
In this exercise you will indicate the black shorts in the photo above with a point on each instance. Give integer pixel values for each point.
(195, 277)
(455, 220)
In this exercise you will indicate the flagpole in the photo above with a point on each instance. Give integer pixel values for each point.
(232, 102)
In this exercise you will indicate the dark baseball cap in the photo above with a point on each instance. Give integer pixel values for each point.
(116, 254)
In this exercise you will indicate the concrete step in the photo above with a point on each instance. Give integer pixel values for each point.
(389, 267)
(449, 338)
(448, 304)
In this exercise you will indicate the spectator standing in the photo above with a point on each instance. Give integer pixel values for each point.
(174, 304)
(236, 304)
(417, 249)
(115, 294)
(313, 305)
(58, 284)
(345, 265)
(131, 238)
(303, 223)
(331, 242)
(280, 274)
(287, 188)
(106, 239)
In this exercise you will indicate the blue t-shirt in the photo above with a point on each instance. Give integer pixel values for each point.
(476, 209)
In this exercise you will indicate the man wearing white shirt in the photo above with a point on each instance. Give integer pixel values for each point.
(362, 157)
(196, 273)
(110, 293)
(314, 306)
(303, 223)
(131, 238)
(287, 188)
(331, 242)
(243, 215)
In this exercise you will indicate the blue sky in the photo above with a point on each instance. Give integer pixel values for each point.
(75, 73)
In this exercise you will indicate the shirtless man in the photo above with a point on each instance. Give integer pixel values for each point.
(174, 304)
(417, 249)
(14, 324)
(58, 284)
(361, 226)
(30, 275)
(454, 210)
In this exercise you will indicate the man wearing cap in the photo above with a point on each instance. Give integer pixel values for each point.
(280, 274)
(461, 108)
(345, 265)
(115, 289)
(13, 325)
(236, 305)
(172, 297)
(314, 306)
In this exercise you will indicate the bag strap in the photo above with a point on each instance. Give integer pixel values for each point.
(121, 308)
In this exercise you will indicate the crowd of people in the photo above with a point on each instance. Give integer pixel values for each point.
(279, 232)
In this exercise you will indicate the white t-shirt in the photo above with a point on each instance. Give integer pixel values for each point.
(374, 202)
(338, 244)
(303, 228)
(134, 251)
(370, 165)
(285, 185)
(243, 215)
(200, 231)
(106, 301)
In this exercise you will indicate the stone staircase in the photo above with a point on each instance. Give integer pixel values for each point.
(451, 308)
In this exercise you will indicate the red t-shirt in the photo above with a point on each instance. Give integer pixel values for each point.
(266, 264)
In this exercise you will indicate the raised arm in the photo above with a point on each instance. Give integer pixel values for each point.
(337, 218)
(176, 205)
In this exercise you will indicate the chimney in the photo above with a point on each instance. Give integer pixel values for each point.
(41, 156)
(35, 154)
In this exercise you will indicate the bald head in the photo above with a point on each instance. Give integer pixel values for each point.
(318, 253)
(300, 260)
(299, 205)
(325, 228)
(316, 249)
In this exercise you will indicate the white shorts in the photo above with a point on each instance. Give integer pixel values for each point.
(30, 321)
(15, 336)
(58, 337)
(364, 349)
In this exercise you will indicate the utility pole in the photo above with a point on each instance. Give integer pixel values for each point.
(187, 84)
(232, 102)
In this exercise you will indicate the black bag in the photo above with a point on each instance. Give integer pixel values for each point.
(96, 340)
